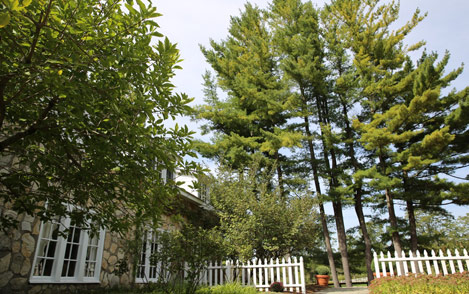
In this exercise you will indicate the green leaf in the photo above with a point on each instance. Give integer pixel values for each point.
(4, 19)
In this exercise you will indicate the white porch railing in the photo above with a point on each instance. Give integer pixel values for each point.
(258, 273)
(434, 264)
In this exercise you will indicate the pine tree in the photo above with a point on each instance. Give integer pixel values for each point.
(252, 118)
(297, 37)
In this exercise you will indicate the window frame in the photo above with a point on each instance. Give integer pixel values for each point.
(148, 248)
(59, 257)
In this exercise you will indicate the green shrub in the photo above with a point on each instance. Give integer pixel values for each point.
(449, 284)
(231, 288)
(322, 270)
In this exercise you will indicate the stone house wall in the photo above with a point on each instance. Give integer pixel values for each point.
(17, 248)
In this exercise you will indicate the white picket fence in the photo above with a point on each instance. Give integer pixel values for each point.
(258, 273)
(420, 263)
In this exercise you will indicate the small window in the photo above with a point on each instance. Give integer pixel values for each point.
(204, 192)
(74, 258)
(169, 175)
(148, 269)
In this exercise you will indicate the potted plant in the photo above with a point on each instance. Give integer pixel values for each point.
(322, 275)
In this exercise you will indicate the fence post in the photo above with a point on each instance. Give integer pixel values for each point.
(295, 261)
(302, 274)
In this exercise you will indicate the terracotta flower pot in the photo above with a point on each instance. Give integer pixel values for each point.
(322, 280)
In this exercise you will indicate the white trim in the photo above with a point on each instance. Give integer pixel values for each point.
(59, 254)
(148, 244)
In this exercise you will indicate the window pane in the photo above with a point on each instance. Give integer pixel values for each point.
(46, 251)
(71, 252)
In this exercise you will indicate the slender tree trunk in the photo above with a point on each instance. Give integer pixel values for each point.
(366, 237)
(342, 239)
(413, 226)
(325, 230)
(358, 203)
(411, 216)
(396, 241)
(336, 203)
(279, 173)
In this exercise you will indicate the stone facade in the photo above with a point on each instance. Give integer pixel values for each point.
(17, 248)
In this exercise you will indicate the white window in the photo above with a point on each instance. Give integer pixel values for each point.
(204, 192)
(148, 268)
(74, 258)
(169, 176)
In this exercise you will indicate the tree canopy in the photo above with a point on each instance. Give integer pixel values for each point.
(84, 91)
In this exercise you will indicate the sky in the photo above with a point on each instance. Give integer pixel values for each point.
(190, 23)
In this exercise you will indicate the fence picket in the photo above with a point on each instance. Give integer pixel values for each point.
(261, 274)
(412, 264)
(435, 263)
(427, 262)
(254, 277)
(383, 265)
(466, 256)
(248, 269)
(375, 257)
(272, 278)
(420, 269)
(443, 264)
(296, 274)
(391, 269)
(302, 275)
(406, 268)
(266, 269)
(451, 263)
(278, 270)
(459, 261)
(284, 274)
(290, 275)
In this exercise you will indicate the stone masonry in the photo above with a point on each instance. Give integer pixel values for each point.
(17, 253)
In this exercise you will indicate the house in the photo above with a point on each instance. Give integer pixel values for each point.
(35, 258)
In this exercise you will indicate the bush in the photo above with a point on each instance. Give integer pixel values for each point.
(231, 288)
(276, 287)
(322, 270)
(449, 284)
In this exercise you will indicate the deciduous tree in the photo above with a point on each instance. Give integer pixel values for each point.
(84, 91)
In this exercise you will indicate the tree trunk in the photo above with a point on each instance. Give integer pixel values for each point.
(366, 237)
(358, 204)
(325, 230)
(413, 226)
(279, 173)
(396, 241)
(342, 239)
(336, 203)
